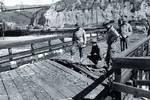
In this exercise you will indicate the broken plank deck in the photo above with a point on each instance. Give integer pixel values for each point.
(44, 80)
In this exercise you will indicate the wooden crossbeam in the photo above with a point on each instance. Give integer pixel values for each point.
(142, 82)
(130, 90)
(132, 63)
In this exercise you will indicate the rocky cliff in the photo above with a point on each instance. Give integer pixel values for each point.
(66, 13)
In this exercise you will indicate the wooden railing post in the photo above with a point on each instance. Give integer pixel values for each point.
(117, 79)
(63, 41)
(141, 50)
(140, 76)
(147, 49)
(49, 44)
(97, 35)
(32, 49)
(10, 53)
(90, 34)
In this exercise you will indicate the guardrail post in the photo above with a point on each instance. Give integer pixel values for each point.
(147, 49)
(140, 76)
(63, 41)
(97, 34)
(141, 50)
(32, 49)
(10, 53)
(49, 44)
(90, 34)
(147, 75)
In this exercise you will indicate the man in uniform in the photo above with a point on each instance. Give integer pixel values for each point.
(112, 36)
(126, 31)
(79, 42)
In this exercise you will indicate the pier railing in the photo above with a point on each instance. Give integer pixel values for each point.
(20, 52)
(132, 64)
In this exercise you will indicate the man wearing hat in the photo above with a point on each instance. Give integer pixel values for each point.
(79, 42)
(97, 54)
(126, 31)
(112, 36)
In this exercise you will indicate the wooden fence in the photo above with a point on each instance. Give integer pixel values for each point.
(136, 63)
(41, 46)
(131, 64)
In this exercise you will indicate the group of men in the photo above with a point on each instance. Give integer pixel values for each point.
(97, 54)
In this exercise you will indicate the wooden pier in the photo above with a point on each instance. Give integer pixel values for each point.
(45, 79)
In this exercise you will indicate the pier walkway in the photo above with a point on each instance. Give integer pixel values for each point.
(49, 80)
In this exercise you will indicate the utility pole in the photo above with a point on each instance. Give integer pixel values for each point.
(3, 29)
(96, 17)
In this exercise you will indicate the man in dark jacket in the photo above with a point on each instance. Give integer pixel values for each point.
(112, 36)
(97, 54)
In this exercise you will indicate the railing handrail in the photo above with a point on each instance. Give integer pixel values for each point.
(33, 41)
(130, 50)
(25, 42)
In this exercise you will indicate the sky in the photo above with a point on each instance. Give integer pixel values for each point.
(27, 2)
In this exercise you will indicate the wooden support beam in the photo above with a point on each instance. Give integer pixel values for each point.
(149, 79)
(117, 79)
(140, 76)
(142, 82)
(130, 90)
(131, 63)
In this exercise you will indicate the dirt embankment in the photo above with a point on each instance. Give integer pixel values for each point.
(66, 13)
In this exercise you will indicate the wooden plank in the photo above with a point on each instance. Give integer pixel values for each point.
(82, 81)
(92, 86)
(11, 88)
(71, 75)
(56, 95)
(53, 80)
(132, 63)
(23, 88)
(129, 97)
(125, 75)
(73, 86)
(37, 90)
(3, 92)
(71, 72)
(63, 74)
(83, 69)
(130, 90)
(60, 78)
(142, 82)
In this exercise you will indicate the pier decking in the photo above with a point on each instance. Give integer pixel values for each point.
(45, 80)
(48, 80)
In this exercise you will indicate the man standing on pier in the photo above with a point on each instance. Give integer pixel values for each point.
(112, 36)
(79, 42)
(126, 31)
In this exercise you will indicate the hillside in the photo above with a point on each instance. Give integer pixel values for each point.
(18, 18)
(66, 13)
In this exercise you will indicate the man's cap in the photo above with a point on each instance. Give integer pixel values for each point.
(77, 25)
(125, 18)
(94, 40)
(107, 22)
